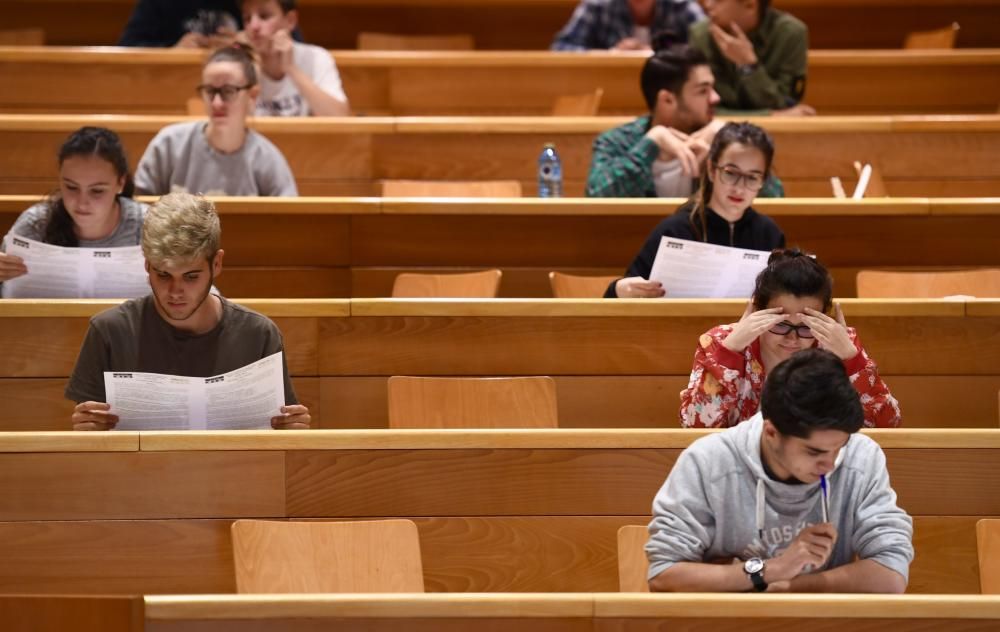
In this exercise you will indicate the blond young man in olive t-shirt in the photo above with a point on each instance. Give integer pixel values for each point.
(182, 327)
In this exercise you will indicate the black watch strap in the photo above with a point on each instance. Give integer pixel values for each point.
(759, 585)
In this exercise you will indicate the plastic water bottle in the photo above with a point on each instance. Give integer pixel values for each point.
(549, 172)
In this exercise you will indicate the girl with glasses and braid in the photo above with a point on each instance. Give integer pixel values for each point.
(788, 313)
(720, 212)
(220, 156)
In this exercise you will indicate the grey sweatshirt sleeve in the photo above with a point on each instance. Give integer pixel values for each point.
(152, 175)
(274, 176)
(683, 524)
(883, 532)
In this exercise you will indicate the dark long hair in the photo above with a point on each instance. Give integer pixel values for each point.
(743, 133)
(86, 141)
(791, 271)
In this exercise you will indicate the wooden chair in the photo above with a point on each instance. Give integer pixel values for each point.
(316, 557)
(576, 286)
(988, 547)
(982, 283)
(483, 284)
(938, 38)
(443, 188)
(578, 104)
(632, 562)
(387, 41)
(472, 402)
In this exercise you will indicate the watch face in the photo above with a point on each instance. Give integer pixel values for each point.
(753, 565)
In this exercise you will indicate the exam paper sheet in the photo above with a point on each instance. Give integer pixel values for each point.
(694, 269)
(244, 399)
(59, 272)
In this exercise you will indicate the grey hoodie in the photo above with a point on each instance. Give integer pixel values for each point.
(717, 498)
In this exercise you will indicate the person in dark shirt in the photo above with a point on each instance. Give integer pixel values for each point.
(738, 164)
(182, 327)
(185, 24)
(758, 55)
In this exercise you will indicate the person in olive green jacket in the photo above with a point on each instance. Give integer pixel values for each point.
(757, 54)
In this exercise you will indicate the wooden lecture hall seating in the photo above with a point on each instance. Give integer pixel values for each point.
(481, 463)
(939, 156)
(158, 81)
(356, 247)
(615, 363)
(482, 284)
(592, 612)
(524, 24)
(472, 402)
(365, 556)
(496, 510)
(983, 283)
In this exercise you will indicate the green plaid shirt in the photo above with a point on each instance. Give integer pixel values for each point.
(622, 164)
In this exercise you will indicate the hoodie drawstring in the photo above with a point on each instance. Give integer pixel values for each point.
(761, 504)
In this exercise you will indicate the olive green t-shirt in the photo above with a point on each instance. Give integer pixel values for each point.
(133, 337)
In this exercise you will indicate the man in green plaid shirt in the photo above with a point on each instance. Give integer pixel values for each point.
(661, 154)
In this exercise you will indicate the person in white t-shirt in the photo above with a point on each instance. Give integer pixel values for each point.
(296, 79)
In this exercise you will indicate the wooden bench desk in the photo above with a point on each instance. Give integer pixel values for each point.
(945, 156)
(551, 612)
(524, 24)
(497, 511)
(597, 612)
(156, 81)
(355, 247)
(616, 363)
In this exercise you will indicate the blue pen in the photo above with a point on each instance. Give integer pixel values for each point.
(826, 498)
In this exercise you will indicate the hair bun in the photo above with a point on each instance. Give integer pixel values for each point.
(784, 254)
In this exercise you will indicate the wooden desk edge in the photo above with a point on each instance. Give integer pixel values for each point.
(531, 439)
(68, 441)
(572, 605)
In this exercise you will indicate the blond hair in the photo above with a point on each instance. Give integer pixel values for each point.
(180, 227)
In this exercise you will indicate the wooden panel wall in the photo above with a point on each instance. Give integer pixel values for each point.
(616, 364)
(923, 156)
(503, 514)
(152, 81)
(343, 247)
(523, 24)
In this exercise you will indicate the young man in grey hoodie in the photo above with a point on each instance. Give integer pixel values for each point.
(745, 509)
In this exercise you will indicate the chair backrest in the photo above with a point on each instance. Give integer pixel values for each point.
(988, 548)
(574, 286)
(483, 284)
(578, 104)
(938, 38)
(444, 188)
(632, 562)
(388, 41)
(313, 557)
(982, 283)
(472, 402)
(22, 37)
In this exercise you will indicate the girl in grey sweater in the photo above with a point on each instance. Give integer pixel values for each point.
(93, 207)
(220, 156)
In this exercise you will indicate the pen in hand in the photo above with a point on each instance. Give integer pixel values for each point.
(825, 500)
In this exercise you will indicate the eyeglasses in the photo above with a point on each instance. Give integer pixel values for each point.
(732, 177)
(782, 329)
(228, 93)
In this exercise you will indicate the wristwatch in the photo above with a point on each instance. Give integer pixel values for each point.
(747, 69)
(754, 568)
